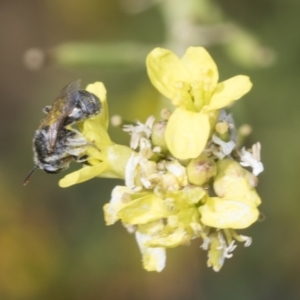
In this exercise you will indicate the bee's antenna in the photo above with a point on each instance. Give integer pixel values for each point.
(26, 180)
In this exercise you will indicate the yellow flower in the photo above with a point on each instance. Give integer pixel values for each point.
(105, 158)
(236, 206)
(183, 222)
(167, 201)
(158, 222)
(191, 83)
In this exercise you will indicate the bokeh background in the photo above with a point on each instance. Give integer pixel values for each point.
(53, 242)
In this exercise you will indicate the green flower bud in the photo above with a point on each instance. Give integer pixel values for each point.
(222, 129)
(200, 170)
(158, 135)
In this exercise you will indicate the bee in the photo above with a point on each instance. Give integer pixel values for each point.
(55, 145)
(72, 105)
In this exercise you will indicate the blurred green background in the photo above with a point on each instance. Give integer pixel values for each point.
(53, 242)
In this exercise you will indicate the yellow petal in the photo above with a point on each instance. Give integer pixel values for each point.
(174, 239)
(232, 181)
(187, 133)
(201, 66)
(192, 194)
(228, 213)
(188, 196)
(238, 189)
(169, 75)
(229, 91)
(141, 211)
(119, 196)
(154, 259)
(216, 251)
(96, 133)
(117, 159)
(84, 174)
(99, 90)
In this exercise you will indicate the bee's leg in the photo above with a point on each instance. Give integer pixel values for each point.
(76, 139)
(75, 143)
(77, 150)
(47, 109)
(68, 159)
(83, 160)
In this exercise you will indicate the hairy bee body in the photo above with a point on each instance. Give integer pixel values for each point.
(55, 145)
(70, 146)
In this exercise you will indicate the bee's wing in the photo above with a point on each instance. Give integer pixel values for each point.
(61, 108)
(70, 97)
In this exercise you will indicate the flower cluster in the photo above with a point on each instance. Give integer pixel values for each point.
(184, 176)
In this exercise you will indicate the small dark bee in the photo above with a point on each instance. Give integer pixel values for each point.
(54, 145)
(71, 106)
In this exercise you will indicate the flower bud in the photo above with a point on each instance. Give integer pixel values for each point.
(234, 182)
(222, 129)
(158, 135)
(200, 170)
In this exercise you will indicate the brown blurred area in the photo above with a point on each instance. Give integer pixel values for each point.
(54, 243)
